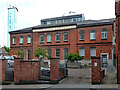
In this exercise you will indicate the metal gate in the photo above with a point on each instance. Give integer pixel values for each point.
(10, 74)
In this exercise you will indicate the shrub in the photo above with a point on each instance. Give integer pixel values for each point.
(73, 57)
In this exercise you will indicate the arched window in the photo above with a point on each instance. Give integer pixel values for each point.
(28, 39)
(104, 33)
(21, 39)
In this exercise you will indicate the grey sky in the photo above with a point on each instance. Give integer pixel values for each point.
(32, 11)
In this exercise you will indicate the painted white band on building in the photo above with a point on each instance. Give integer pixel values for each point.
(55, 28)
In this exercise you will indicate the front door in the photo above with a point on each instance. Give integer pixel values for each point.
(104, 61)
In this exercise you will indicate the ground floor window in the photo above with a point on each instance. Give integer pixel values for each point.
(49, 53)
(82, 52)
(57, 53)
(92, 51)
(65, 52)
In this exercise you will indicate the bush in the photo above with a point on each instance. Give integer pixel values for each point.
(73, 57)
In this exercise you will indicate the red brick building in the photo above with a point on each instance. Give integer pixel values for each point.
(86, 37)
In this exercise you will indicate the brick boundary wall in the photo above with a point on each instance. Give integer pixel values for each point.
(3, 68)
(96, 70)
(26, 71)
(56, 73)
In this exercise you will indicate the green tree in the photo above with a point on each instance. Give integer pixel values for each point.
(7, 49)
(40, 53)
(73, 57)
(21, 53)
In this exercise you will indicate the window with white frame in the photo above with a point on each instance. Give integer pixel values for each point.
(82, 52)
(92, 34)
(41, 38)
(65, 36)
(65, 52)
(81, 35)
(104, 34)
(48, 37)
(57, 53)
(21, 39)
(57, 35)
(93, 51)
(14, 40)
(28, 39)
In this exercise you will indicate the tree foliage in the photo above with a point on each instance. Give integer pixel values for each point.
(40, 53)
(7, 49)
(21, 53)
(73, 57)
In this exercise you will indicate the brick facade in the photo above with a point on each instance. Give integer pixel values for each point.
(73, 44)
(105, 45)
(14, 48)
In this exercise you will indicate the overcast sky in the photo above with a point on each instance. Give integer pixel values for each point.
(32, 11)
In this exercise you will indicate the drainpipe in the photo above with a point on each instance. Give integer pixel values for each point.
(77, 37)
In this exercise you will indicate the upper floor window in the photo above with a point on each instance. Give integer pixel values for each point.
(21, 39)
(57, 35)
(14, 40)
(66, 36)
(81, 35)
(104, 34)
(92, 34)
(82, 52)
(57, 53)
(48, 37)
(41, 38)
(93, 51)
(28, 39)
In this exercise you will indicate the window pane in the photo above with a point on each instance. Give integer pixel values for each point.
(81, 35)
(65, 36)
(82, 51)
(49, 38)
(41, 38)
(57, 37)
(65, 52)
(58, 53)
(29, 39)
(49, 53)
(92, 51)
(92, 35)
(14, 40)
(21, 39)
(104, 34)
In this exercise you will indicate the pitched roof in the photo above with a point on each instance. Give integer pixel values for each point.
(2, 51)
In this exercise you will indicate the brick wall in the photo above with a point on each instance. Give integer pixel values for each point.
(3, 68)
(26, 70)
(96, 70)
(55, 72)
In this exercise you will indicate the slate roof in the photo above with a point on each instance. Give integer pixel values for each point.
(78, 23)
(2, 51)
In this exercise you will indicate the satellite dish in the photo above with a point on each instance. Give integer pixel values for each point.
(110, 69)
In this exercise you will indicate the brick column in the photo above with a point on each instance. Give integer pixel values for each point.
(96, 67)
(3, 68)
(17, 74)
(54, 70)
(118, 71)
